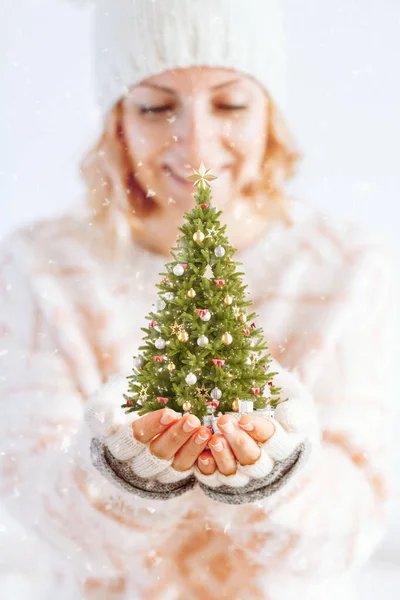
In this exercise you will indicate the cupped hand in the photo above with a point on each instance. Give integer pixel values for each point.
(172, 436)
(239, 442)
(188, 442)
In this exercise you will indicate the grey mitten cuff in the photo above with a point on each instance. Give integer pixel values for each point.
(121, 474)
(257, 489)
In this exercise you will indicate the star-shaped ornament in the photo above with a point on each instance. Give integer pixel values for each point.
(202, 177)
(143, 392)
(212, 231)
(202, 392)
(176, 328)
(236, 311)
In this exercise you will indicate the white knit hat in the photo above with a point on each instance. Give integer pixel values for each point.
(134, 39)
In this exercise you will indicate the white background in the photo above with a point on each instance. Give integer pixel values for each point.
(343, 102)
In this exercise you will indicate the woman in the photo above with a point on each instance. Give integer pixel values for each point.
(181, 83)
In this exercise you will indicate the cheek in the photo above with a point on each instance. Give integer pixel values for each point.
(146, 142)
(249, 135)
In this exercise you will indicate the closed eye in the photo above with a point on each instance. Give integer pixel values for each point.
(231, 106)
(148, 110)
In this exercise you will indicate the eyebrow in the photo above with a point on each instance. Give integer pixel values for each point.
(167, 90)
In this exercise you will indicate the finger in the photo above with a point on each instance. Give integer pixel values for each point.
(151, 424)
(223, 455)
(189, 452)
(259, 428)
(167, 444)
(206, 463)
(245, 449)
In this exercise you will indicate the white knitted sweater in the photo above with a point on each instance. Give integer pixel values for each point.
(70, 316)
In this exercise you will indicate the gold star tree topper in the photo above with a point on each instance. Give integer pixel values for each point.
(202, 177)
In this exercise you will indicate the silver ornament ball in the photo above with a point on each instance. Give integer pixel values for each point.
(160, 343)
(216, 393)
(139, 362)
(178, 270)
(169, 296)
(202, 341)
(206, 317)
(219, 251)
(160, 304)
(191, 379)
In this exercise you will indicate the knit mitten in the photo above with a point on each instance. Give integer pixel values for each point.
(296, 432)
(108, 422)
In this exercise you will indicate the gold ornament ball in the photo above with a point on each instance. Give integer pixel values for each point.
(242, 318)
(198, 236)
(228, 300)
(183, 336)
(191, 293)
(235, 405)
(227, 338)
(186, 406)
(171, 366)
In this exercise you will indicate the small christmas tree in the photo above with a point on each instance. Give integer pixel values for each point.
(202, 352)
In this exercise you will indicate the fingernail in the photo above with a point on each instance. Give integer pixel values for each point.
(199, 440)
(227, 427)
(218, 447)
(204, 461)
(189, 426)
(246, 426)
(167, 418)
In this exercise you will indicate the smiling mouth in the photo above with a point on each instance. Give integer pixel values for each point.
(181, 176)
(178, 176)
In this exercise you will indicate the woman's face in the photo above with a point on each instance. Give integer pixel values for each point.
(177, 119)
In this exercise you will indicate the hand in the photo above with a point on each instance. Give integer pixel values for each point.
(170, 435)
(238, 443)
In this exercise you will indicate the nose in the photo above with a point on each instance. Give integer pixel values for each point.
(196, 135)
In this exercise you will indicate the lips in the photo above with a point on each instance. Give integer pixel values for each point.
(179, 176)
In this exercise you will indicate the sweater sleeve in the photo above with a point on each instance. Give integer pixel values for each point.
(48, 482)
(331, 516)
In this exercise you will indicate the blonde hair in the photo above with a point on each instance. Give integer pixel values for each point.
(108, 170)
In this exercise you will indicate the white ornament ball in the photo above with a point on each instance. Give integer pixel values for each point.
(191, 379)
(160, 304)
(178, 270)
(206, 317)
(219, 251)
(160, 343)
(139, 362)
(169, 296)
(216, 393)
(202, 341)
